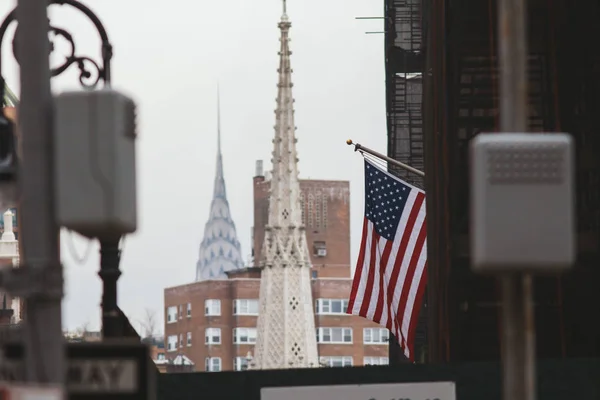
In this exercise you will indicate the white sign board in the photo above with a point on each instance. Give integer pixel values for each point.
(387, 391)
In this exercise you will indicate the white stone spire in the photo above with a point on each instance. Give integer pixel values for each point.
(9, 257)
(8, 234)
(9, 248)
(220, 250)
(286, 336)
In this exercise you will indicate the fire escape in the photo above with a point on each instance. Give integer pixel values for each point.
(404, 67)
(404, 89)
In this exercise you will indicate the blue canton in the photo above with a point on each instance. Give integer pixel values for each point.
(385, 200)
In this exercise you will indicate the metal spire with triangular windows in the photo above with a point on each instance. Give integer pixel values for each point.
(286, 322)
(219, 187)
(220, 249)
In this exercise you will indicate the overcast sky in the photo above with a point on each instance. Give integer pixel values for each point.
(169, 56)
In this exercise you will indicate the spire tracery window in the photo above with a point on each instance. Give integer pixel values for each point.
(302, 208)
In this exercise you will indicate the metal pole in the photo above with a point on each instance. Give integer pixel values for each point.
(109, 273)
(395, 353)
(45, 352)
(360, 147)
(517, 317)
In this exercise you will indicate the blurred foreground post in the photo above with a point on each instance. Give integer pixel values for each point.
(45, 352)
(518, 347)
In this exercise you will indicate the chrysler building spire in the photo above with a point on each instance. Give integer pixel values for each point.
(286, 323)
(220, 249)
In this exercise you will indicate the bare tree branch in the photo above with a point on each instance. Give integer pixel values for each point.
(83, 329)
(149, 323)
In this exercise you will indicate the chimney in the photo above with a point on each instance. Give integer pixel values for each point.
(259, 168)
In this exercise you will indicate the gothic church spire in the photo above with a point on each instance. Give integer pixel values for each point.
(286, 321)
(285, 188)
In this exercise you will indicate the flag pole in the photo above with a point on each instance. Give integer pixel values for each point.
(361, 148)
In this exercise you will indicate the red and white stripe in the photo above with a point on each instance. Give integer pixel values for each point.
(391, 276)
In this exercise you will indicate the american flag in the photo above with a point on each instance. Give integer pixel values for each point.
(391, 272)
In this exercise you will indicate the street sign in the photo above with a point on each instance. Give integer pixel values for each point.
(387, 391)
(119, 370)
(102, 376)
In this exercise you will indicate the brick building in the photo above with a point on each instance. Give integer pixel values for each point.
(213, 322)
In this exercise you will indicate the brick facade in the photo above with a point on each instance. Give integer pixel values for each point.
(326, 215)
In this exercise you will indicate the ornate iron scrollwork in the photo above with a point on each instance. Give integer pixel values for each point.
(90, 71)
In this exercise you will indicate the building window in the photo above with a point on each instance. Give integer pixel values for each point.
(375, 336)
(213, 336)
(376, 361)
(245, 307)
(160, 356)
(171, 314)
(172, 343)
(213, 364)
(331, 306)
(212, 307)
(244, 335)
(310, 210)
(334, 335)
(189, 339)
(324, 217)
(319, 248)
(337, 361)
(189, 310)
(181, 340)
(240, 364)
(318, 210)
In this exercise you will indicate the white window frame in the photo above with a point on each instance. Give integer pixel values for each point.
(212, 307)
(376, 361)
(213, 364)
(243, 306)
(189, 310)
(378, 336)
(210, 334)
(172, 343)
(181, 340)
(343, 361)
(239, 363)
(248, 333)
(328, 332)
(325, 306)
(189, 339)
(171, 314)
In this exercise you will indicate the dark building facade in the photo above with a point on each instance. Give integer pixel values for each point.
(455, 50)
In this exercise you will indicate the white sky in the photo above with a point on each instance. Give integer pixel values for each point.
(169, 56)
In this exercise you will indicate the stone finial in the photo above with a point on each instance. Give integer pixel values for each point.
(8, 234)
